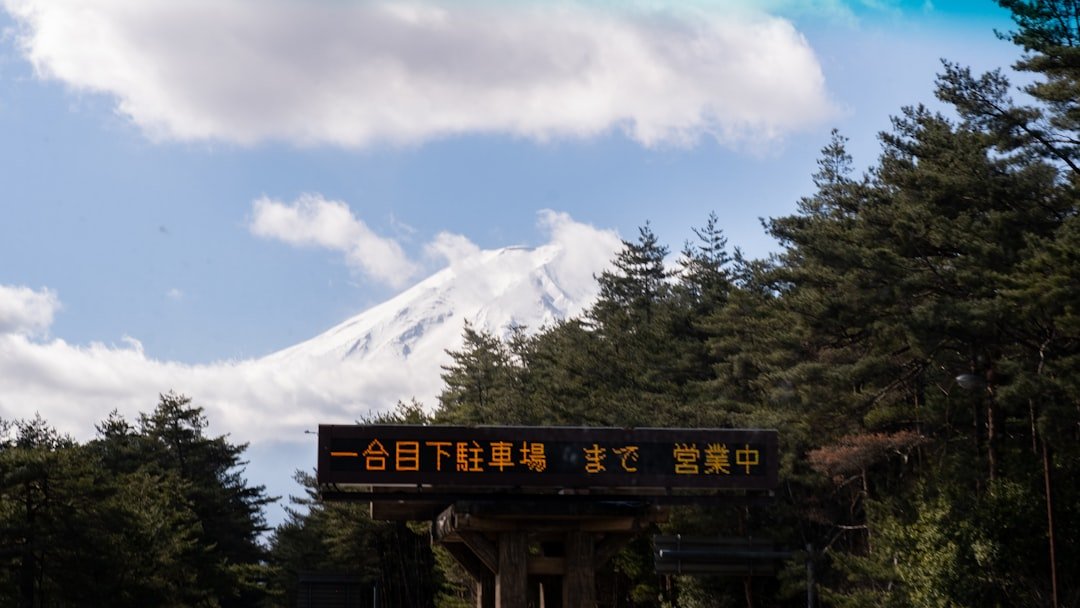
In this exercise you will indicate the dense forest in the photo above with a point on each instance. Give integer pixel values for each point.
(151, 514)
(916, 342)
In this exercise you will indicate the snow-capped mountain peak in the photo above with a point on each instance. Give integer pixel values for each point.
(407, 336)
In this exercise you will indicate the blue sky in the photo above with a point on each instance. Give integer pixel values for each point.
(114, 219)
(136, 144)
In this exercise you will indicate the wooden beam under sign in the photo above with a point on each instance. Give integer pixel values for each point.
(468, 560)
(444, 525)
(441, 498)
(540, 565)
(465, 521)
(404, 510)
(484, 549)
(754, 569)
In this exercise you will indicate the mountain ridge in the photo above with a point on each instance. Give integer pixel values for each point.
(493, 290)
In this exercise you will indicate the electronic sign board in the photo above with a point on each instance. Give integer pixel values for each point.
(546, 457)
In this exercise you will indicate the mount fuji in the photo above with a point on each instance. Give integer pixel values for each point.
(399, 347)
(362, 366)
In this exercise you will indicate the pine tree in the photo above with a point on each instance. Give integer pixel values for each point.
(704, 276)
(898, 282)
(629, 295)
(482, 383)
(229, 511)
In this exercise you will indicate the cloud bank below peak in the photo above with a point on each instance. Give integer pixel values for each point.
(26, 311)
(276, 397)
(358, 73)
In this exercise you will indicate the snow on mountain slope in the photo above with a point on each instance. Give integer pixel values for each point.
(499, 289)
(391, 352)
(395, 350)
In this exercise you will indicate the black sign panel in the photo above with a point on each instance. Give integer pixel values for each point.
(449, 456)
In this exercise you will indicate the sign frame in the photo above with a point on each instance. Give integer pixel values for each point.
(750, 458)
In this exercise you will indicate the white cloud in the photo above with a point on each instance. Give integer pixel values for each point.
(313, 221)
(271, 401)
(278, 396)
(451, 247)
(26, 311)
(584, 246)
(73, 387)
(357, 72)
